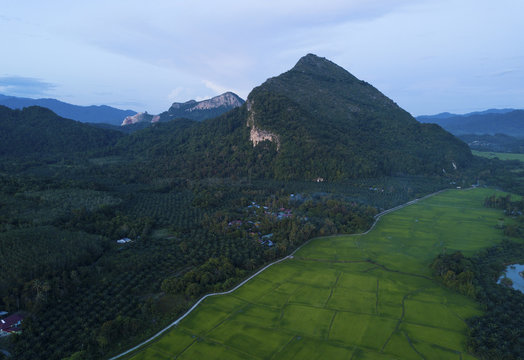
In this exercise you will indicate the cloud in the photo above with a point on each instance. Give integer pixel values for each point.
(224, 41)
(504, 72)
(174, 94)
(218, 89)
(135, 50)
(19, 85)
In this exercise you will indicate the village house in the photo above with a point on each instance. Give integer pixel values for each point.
(11, 325)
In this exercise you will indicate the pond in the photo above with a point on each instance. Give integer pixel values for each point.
(513, 273)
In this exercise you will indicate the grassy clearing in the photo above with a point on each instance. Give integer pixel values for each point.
(501, 156)
(349, 297)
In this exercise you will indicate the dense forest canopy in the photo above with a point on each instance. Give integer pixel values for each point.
(202, 205)
(36, 130)
(329, 125)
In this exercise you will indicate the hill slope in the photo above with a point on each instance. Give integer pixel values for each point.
(507, 121)
(447, 115)
(201, 110)
(37, 130)
(192, 110)
(91, 114)
(314, 122)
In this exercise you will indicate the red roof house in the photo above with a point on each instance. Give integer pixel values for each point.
(11, 324)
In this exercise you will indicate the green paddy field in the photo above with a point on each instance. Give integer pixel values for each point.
(501, 156)
(349, 297)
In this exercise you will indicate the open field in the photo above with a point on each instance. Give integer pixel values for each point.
(501, 156)
(349, 297)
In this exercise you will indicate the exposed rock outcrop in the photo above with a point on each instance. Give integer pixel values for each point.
(228, 100)
(140, 117)
(192, 109)
(257, 135)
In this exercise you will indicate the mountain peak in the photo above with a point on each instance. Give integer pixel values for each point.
(312, 59)
(192, 109)
(312, 64)
(228, 100)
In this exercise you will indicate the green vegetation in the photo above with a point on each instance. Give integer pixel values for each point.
(204, 209)
(369, 296)
(497, 333)
(496, 124)
(310, 108)
(500, 143)
(498, 155)
(59, 233)
(36, 131)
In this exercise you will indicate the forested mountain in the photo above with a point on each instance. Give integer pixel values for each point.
(314, 122)
(192, 109)
(312, 152)
(39, 131)
(447, 115)
(91, 114)
(205, 109)
(490, 122)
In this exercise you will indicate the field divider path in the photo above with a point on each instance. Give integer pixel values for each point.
(414, 348)
(401, 319)
(290, 256)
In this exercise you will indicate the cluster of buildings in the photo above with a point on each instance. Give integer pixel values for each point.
(11, 324)
(253, 225)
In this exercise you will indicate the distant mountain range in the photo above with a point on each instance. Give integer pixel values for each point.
(315, 122)
(192, 110)
(490, 122)
(447, 115)
(86, 114)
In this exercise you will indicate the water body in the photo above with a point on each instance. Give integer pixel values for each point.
(512, 272)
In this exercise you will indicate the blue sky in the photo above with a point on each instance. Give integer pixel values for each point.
(429, 56)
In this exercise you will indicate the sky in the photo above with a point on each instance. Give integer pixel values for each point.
(429, 56)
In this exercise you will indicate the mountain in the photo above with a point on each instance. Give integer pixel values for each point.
(38, 131)
(490, 122)
(87, 114)
(201, 110)
(447, 115)
(315, 122)
(193, 110)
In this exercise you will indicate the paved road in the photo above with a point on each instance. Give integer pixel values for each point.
(5, 352)
(290, 256)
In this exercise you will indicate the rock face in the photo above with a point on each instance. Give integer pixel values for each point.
(227, 100)
(193, 110)
(202, 110)
(257, 135)
(139, 118)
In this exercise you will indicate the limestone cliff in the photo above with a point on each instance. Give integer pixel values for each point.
(257, 135)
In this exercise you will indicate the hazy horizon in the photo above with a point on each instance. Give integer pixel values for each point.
(428, 56)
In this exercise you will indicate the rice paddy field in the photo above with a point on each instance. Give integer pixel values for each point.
(501, 156)
(349, 297)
